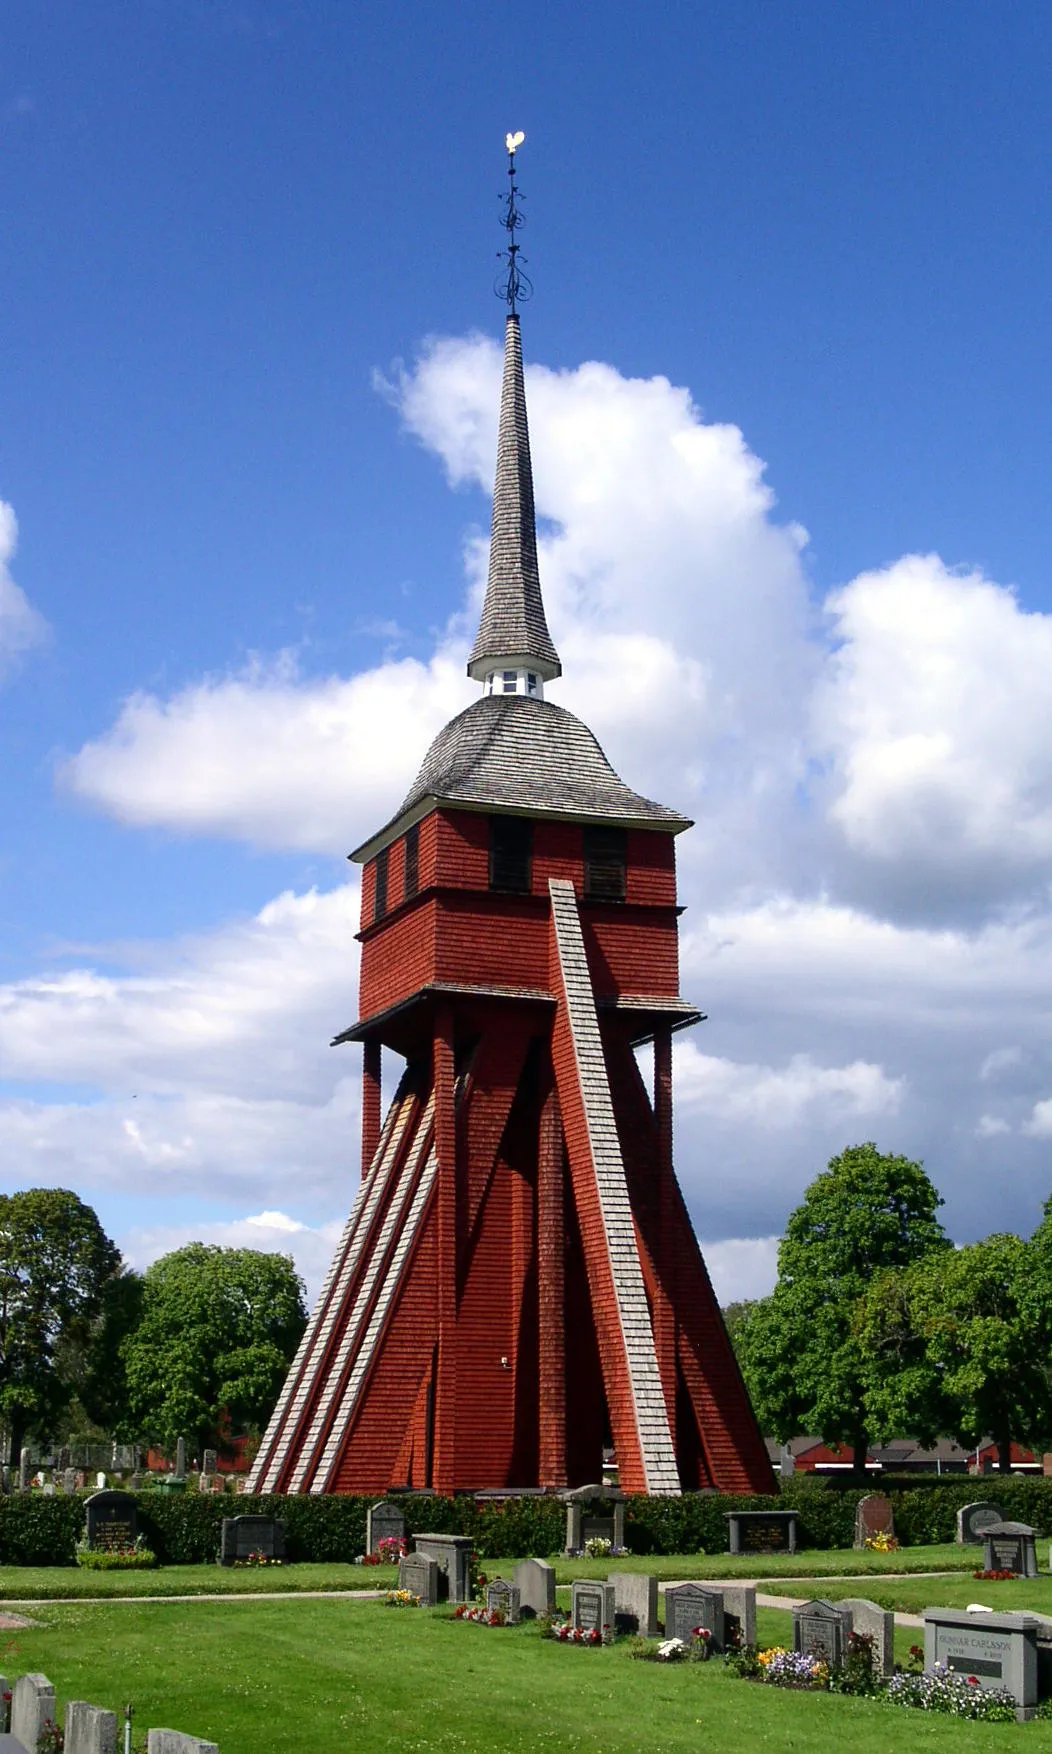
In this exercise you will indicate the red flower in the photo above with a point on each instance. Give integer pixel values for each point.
(973, 1680)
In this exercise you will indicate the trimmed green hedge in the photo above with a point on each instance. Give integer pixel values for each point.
(183, 1529)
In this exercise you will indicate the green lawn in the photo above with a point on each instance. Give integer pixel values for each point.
(911, 1595)
(324, 1677)
(53, 1583)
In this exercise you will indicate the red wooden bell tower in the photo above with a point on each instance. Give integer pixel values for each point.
(518, 1283)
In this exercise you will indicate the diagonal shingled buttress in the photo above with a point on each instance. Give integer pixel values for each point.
(645, 1455)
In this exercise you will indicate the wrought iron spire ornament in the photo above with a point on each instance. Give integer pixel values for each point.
(512, 285)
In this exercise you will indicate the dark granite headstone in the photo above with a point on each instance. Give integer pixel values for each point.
(244, 1535)
(383, 1522)
(821, 1629)
(1010, 1547)
(112, 1520)
(761, 1531)
(688, 1605)
(974, 1519)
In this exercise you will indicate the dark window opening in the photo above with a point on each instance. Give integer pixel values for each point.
(380, 891)
(605, 863)
(412, 861)
(510, 852)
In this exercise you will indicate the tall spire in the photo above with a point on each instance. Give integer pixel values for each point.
(513, 633)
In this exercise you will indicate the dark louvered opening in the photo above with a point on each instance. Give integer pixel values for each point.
(380, 890)
(510, 852)
(412, 861)
(605, 863)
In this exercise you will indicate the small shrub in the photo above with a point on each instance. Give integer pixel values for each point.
(943, 1690)
(136, 1558)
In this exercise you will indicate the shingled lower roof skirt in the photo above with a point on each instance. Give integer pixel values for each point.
(513, 621)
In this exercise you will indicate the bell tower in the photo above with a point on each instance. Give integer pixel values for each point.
(518, 1284)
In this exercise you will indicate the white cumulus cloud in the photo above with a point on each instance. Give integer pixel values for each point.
(21, 626)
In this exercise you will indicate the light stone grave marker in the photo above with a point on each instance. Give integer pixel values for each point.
(174, 1742)
(739, 1614)
(419, 1573)
(820, 1629)
(32, 1706)
(1000, 1650)
(503, 1598)
(635, 1603)
(535, 1581)
(688, 1605)
(878, 1624)
(453, 1554)
(592, 1606)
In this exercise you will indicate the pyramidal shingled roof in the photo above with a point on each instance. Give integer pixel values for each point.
(513, 622)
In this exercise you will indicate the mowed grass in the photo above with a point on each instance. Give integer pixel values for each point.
(911, 1595)
(324, 1677)
(53, 1583)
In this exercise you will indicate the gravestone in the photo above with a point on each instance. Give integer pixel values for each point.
(383, 1522)
(69, 1480)
(1010, 1547)
(32, 1706)
(453, 1554)
(112, 1521)
(1000, 1650)
(503, 1598)
(592, 1607)
(419, 1573)
(635, 1603)
(874, 1622)
(761, 1531)
(688, 1605)
(820, 1629)
(786, 1461)
(210, 1462)
(739, 1614)
(241, 1536)
(583, 1525)
(89, 1729)
(873, 1516)
(64, 1458)
(535, 1581)
(974, 1519)
(180, 1459)
(174, 1742)
(23, 1471)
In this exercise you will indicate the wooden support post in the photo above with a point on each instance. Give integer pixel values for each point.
(370, 1104)
(551, 1243)
(665, 1338)
(444, 1465)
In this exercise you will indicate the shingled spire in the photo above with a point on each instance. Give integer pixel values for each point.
(513, 633)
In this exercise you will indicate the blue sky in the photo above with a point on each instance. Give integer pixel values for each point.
(227, 225)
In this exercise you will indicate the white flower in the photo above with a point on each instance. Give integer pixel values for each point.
(671, 1649)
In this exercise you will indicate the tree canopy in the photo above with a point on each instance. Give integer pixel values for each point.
(57, 1267)
(216, 1334)
(803, 1361)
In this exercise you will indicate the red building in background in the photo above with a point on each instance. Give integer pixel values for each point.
(518, 1283)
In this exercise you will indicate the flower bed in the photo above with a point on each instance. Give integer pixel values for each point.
(137, 1557)
(938, 1690)
(995, 1576)
(254, 1559)
(943, 1690)
(401, 1599)
(482, 1616)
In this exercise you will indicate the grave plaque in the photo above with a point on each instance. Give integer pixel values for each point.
(420, 1574)
(739, 1614)
(820, 1629)
(112, 1520)
(383, 1522)
(503, 1598)
(688, 1605)
(974, 1519)
(1010, 1547)
(535, 1581)
(241, 1536)
(873, 1516)
(635, 1602)
(999, 1650)
(69, 1480)
(761, 1531)
(592, 1607)
(174, 1742)
(210, 1462)
(597, 1528)
(876, 1623)
(453, 1556)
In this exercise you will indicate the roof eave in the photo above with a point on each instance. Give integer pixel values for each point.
(671, 824)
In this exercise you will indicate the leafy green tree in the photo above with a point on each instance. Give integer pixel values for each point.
(802, 1359)
(735, 1318)
(216, 1334)
(953, 1347)
(56, 1268)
